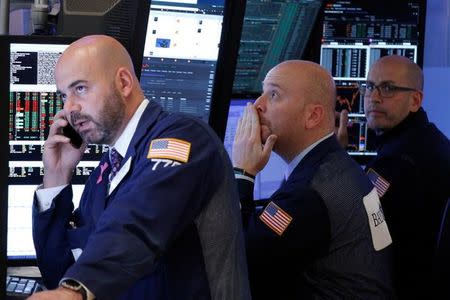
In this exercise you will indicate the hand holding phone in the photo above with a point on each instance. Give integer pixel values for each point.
(75, 138)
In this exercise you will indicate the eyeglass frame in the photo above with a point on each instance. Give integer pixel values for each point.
(395, 89)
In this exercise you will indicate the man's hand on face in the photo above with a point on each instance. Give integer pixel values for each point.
(248, 151)
(341, 128)
(59, 157)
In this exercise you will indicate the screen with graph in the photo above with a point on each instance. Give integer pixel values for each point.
(27, 65)
(189, 56)
(354, 35)
(273, 31)
(180, 54)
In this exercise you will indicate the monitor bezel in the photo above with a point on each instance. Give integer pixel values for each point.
(233, 19)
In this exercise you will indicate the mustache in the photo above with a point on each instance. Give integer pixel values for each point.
(372, 108)
(75, 116)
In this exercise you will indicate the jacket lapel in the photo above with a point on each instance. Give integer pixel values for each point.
(148, 119)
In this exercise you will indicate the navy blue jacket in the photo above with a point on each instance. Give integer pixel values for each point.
(327, 251)
(169, 230)
(414, 157)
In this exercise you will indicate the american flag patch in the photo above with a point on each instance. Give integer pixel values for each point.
(379, 182)
(170, 148)
(276, 218)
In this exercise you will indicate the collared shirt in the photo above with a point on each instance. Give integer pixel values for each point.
(46, 196)
(124, 139)
(294, 163)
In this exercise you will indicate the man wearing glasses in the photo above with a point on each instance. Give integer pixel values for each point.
(411, 171)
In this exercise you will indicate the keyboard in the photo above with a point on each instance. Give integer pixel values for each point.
(21, 286)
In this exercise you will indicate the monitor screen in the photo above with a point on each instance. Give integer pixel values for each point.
(269, 179)
(181, 53)
(273, 31)
(28, 67)
(120, 19)
(354, 35)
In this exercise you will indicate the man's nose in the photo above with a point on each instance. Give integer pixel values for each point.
(260, 104)
(71, 106)
(375, 96)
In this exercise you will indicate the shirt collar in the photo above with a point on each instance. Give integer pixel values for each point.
(124, 139)
(294, 163)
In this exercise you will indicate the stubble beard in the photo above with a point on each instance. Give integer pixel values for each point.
(110, 119)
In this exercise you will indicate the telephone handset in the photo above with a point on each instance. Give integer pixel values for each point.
(75, 138)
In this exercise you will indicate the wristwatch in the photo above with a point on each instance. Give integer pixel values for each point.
(75, 286)
(242, 174)
(240, 171)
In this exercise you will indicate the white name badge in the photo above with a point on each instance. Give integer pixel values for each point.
(378, 228)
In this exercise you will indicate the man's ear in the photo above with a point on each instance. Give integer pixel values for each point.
(314, 115)
(124, 81)
(416, 101)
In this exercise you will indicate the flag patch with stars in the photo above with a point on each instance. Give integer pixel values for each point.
(170, 149)
(379, 182)
(276, 218)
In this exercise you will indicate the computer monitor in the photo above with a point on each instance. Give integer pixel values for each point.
(120, 19)
(189, 56)
(28, 87)
(354, 34)
(273, 31)
(269, 179)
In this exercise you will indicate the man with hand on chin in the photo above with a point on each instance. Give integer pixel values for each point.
(322, 234)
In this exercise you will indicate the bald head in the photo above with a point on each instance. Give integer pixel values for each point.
(313, 83)
(405, 68)
(100, 51)
(99, 57)
(316, 84)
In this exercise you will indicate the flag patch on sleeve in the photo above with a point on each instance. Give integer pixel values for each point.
(379, 182)
(170, 148)
(276, 218)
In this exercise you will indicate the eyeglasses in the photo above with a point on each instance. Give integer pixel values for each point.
(385, 90)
